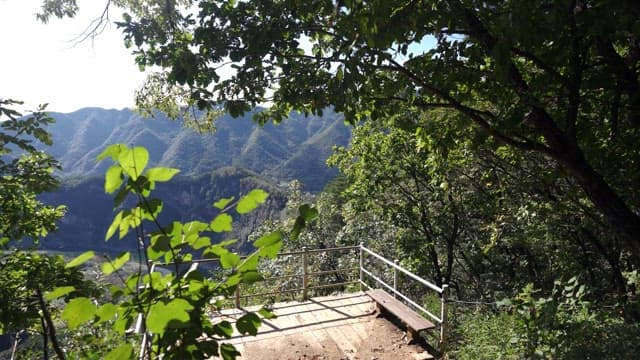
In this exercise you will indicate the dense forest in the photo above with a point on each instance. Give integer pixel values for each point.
(495, 148)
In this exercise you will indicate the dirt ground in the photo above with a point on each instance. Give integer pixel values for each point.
(383, 341)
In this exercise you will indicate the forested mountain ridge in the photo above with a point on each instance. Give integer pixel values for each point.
(295, 149)
(237, 157)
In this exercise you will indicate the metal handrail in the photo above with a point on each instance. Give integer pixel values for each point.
(362, 250)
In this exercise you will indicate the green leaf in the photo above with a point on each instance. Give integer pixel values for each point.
(111, 151)
(268, 245)
(124, 351)
(222, 203)
(59, 292)
(115, 224)
(248, 324)
(106, 312)
(161, 174)
(80, 259)
(222, 223)
(113, 179)
(229, 260)
(78, 311)
(168, 315)
(115, 264)
(267, 314)
(228, 352)
(133, 161)
(251, 201)
(223, 328)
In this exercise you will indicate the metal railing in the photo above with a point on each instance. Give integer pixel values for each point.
(306, 275)
(441, 320)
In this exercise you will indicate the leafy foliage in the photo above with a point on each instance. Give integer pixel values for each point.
(556, 79)
(172, 306)
(24, 173)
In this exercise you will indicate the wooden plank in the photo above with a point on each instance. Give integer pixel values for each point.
(414, 321)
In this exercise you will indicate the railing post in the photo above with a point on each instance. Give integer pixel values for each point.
(443, 316)
(395, 279)
(361, 265)
(237, 296)
(305, 263)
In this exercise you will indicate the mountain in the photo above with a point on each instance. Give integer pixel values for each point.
(186, 198)
(295, 149)
(238, 157)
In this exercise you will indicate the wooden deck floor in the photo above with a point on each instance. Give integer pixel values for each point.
(332, 327)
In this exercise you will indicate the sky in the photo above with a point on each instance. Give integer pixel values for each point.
(40, 63)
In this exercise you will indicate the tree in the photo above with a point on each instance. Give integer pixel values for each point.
(25, 172)
(557, 78)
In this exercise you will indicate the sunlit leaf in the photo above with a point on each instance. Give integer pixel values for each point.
(161, 174)
(59, 292)
(113, 179)
(251, 201)
(124, 351)
(133, 161)
(267, 314)
(80, 259)
(173, 314)
(112, 151)
(115, 225)
(78, 311)
(222, 203)
(222, 223)
(229, 260)
(268, 245)
(106, 312)
(116, 264)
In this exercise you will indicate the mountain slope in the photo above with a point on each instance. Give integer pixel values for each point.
(275, 151)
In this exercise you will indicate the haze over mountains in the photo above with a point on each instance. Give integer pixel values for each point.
(239, 156)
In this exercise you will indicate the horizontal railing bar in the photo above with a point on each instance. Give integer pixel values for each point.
(333, 285)
(437, 319)
(332, 271)
(403, 270)
(282, 277)
(288, 253)
(270, 293)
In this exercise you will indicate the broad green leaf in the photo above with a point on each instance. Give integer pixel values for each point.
(161, 174)
(115, 225)
(59, 292)
(248, 324)
(80, 259)
(113, 179)
(168, 315)
(124, 351)
(222, 223)
(133, 161)
(251, 201)
(222, 203)
(78, 311)
(228, 352)
(159, 246)
(106, 312)
(201, 242)
(229, 260)
(267, 314)
(249, 264)
(115, 264)
(223, 328)
(111, 151)
(268, 245)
